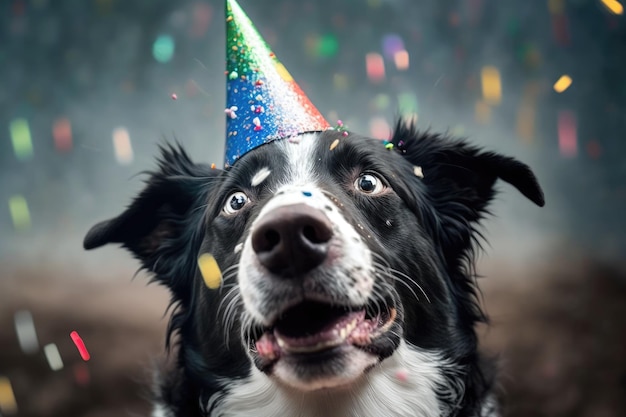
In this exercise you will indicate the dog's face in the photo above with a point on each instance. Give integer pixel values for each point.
(331, 254)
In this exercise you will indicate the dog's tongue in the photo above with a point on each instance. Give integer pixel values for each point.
(333, 333)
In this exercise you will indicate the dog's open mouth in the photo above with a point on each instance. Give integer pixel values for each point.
(311, 327)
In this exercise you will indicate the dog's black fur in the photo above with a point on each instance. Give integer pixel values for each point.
(176, 217)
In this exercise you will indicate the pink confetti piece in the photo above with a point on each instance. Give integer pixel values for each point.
(567, 134)
(80, 345)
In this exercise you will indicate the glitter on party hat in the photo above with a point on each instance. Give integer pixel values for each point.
(263, 102)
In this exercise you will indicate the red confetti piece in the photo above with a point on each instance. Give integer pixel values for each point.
(375, 67)
(174, 96)
(594, 149)
(62, 133)
(81, 373)
(567, 134)
(80, 345)
(561, 29)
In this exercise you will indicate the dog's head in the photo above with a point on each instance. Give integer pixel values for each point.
(331, 253)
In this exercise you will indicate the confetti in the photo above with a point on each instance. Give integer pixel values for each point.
(307, 193)
(122, 146)
(382, 102)
(200, 20)
(62, 134)
(327, 46)
(407, 104)
(491, 85)
(375, 67)
(560, 29)
(562, 83)
(213, 166)
(401, 59)
(21, 139)
(402, 375)
(379, 128)
(210, 271)
(594, 149)
(163, 49)
(81, 373)
(340, 82)
(19, 212)
(567, 134)
(613, 6)
(418, 171)
(260, 176)
(556, 6)
(8, 405)
(53, 356)
(392, 44)
(80, 345)
(239, 247)
(174, 96)
(26, 334)
(334, 144)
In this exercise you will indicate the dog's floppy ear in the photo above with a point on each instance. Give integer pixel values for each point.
(163, 218)
(460, 178)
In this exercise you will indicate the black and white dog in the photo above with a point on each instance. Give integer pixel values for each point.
(348, 280)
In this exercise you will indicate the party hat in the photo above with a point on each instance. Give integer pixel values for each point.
(263, 102)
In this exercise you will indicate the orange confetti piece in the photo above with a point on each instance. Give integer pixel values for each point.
(334, 144)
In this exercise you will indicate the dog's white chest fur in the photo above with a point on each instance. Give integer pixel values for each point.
(403, 385)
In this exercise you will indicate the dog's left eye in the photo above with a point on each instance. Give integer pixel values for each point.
(369, 184)
(235, 202)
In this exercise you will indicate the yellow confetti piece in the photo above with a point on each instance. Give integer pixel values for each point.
(418, 171)
(19, 212)
(562, 83)
(8, 405)
(334, 144)
(491, 85)
(122, 146)
(556, 6)
(614, 6)
(483, 112)
(340, 81)
(21, 139)
(210, 271)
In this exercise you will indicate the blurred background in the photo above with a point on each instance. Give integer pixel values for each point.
(89, 88)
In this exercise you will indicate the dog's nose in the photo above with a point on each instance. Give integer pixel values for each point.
(292, 240)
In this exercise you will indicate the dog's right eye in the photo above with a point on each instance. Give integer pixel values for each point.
(235, 202)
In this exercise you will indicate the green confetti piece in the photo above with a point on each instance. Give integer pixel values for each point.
(382, 101)
(407, 103)
(163, 48)
(21, 138)
(19, 212)
(327, 46)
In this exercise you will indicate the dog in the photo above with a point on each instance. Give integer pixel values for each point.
(347, 275)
